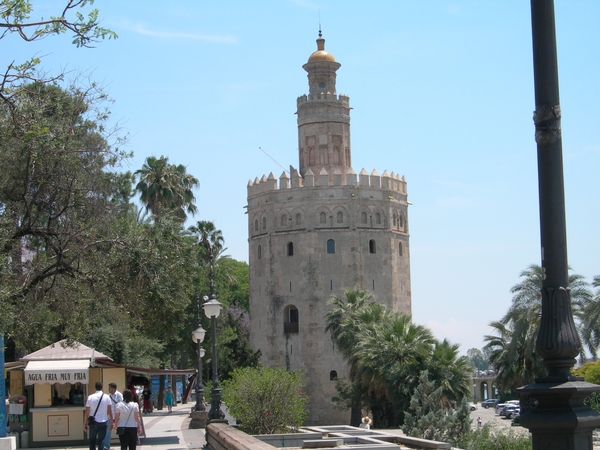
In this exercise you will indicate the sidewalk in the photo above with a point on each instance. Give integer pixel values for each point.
(164, 431)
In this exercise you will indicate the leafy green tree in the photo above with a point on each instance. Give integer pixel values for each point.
(266, 400)
(55, 208)
(478, 359)
(166, 189)
(425, 419)
(15, 19)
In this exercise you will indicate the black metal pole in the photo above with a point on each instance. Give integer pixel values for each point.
(199, 385)
(552, 408)
(215, 396)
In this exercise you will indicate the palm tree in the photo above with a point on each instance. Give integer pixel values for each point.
(512, 355)
(450, 371)
(590, 319)
(166, 188)
(527, 302)
(210, 240)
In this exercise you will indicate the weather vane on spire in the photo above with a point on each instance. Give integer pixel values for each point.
(320, 34)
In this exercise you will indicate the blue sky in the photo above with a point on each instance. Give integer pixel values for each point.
(441, 92)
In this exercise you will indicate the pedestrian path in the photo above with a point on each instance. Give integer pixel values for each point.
(164, 431)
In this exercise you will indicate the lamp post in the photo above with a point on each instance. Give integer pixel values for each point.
(552, 408)
(212, 309)
(198, 337)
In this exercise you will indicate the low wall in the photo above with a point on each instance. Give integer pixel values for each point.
(221, 436)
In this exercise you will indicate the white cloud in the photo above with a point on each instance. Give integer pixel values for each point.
(141, 29)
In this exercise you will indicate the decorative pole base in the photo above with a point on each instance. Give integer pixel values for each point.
(555, 414)
(198, 419)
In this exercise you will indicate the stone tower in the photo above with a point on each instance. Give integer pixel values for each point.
(317, 232)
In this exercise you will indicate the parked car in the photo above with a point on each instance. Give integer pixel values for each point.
(512, 413)
(506, 410)
(490, 402)
(472, 407)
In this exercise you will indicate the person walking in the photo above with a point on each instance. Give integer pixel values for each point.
(99, 405)
(169, 399)
(128, 422)
(147, 398)
(115, 398)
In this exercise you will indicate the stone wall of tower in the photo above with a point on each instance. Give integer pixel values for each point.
(310, 238)
(324, 144)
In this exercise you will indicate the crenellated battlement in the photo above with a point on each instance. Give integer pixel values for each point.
(386, 181)
(323, 97)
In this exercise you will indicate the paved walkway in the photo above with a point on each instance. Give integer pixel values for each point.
(164, 431)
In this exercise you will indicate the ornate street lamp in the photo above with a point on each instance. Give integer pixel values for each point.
(212, 309)
(198, 337)
(552, 408)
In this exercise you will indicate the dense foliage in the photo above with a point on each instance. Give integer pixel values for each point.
(425, 419)
(511, 349)
(489, 438)
(387, 354)
(266, 400)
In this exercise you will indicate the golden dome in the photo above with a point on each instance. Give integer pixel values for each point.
(321, 54)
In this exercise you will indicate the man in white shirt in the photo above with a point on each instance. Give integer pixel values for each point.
(115, 397)
(98, 405)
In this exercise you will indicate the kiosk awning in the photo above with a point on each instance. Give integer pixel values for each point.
(57, 371)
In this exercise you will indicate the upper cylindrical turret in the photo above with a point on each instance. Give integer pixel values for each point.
(323, 118)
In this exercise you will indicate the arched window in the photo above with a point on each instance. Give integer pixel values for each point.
(283, 222)
(363, 217)
(400, 248)
(298, 219)
(332, 375)
(378, 219)
(290, 319)
(264, 223)
(259, 252)
(330, 246)
(340, 217)
(255, 224)
(372, 247)
(395, 220)
(290, 249)
(323, 217)
(401, 221)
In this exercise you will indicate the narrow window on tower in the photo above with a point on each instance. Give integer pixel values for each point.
(290, 286)
(332, 375)
(255, 224)
(323, 217)
(340, 217)
(378, 219)
(373, 283)
(283, 221)
(259, 252)
(372, 246)
(400, 248)
(290, 249)
(264, 223)
(331, 285)
(363, 217)
(290, 319)
(330, 246)
(298, 219)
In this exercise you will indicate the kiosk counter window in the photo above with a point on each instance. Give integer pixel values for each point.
(59, 392)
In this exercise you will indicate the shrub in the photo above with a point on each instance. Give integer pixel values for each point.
(489, 438)
(265, 400)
